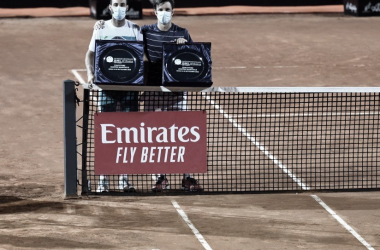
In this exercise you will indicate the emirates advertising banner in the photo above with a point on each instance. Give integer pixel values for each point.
(150, 142)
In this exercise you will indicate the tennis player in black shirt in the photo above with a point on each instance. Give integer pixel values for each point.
(157, 34)
(154, 36)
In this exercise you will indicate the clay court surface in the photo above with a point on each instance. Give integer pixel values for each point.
(266, 50)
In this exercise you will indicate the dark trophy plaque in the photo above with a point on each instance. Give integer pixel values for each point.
(362, 7)
(119, 62)
(187, 64)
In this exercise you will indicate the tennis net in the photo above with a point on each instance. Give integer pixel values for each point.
(262, 139)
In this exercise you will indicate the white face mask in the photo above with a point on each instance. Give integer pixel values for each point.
(164, 17)
(119, 12)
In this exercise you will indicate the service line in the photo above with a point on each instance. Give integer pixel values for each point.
(77, 75)
(192, 227)
(268, 115)
(81, 80)
(343, 223)
(233, 67)
(258, 67)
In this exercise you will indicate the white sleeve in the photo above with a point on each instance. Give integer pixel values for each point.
(92, 42)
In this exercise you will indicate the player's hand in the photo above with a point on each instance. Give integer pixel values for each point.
(99, 25)
(90, 78)
(181, 41)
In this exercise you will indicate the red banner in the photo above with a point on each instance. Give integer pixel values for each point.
(150, 142)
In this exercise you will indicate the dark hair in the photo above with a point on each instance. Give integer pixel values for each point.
(111, 1)
(158, 2)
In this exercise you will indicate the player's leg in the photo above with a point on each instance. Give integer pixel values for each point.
(175, 101)
(128, 102)
(181, 105)
(107, 104)
(107, 101)
(152, 100)
(124, 184)
(190, 184)
(162, 183)
(103, 185)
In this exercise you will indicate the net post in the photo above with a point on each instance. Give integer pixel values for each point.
(86, 103)
(70, 148)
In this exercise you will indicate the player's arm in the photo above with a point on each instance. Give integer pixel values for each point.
(89, 60)
(90, 55)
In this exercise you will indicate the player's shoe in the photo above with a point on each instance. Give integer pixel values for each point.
(161, 184)
(89, 186)
(125, 185)
(103, 185)
(191, 184)
(155, 177)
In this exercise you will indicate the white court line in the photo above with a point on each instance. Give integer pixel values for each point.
(307, 114)
(343, 223)
(258, 145)
(233, 67)
(188, 222)
(77, 75)
(274, 67)
(81, 80)
(257, 67)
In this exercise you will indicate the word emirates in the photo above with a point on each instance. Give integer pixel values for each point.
(154, 153)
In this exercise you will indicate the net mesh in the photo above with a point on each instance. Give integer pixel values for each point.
(259, 142)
